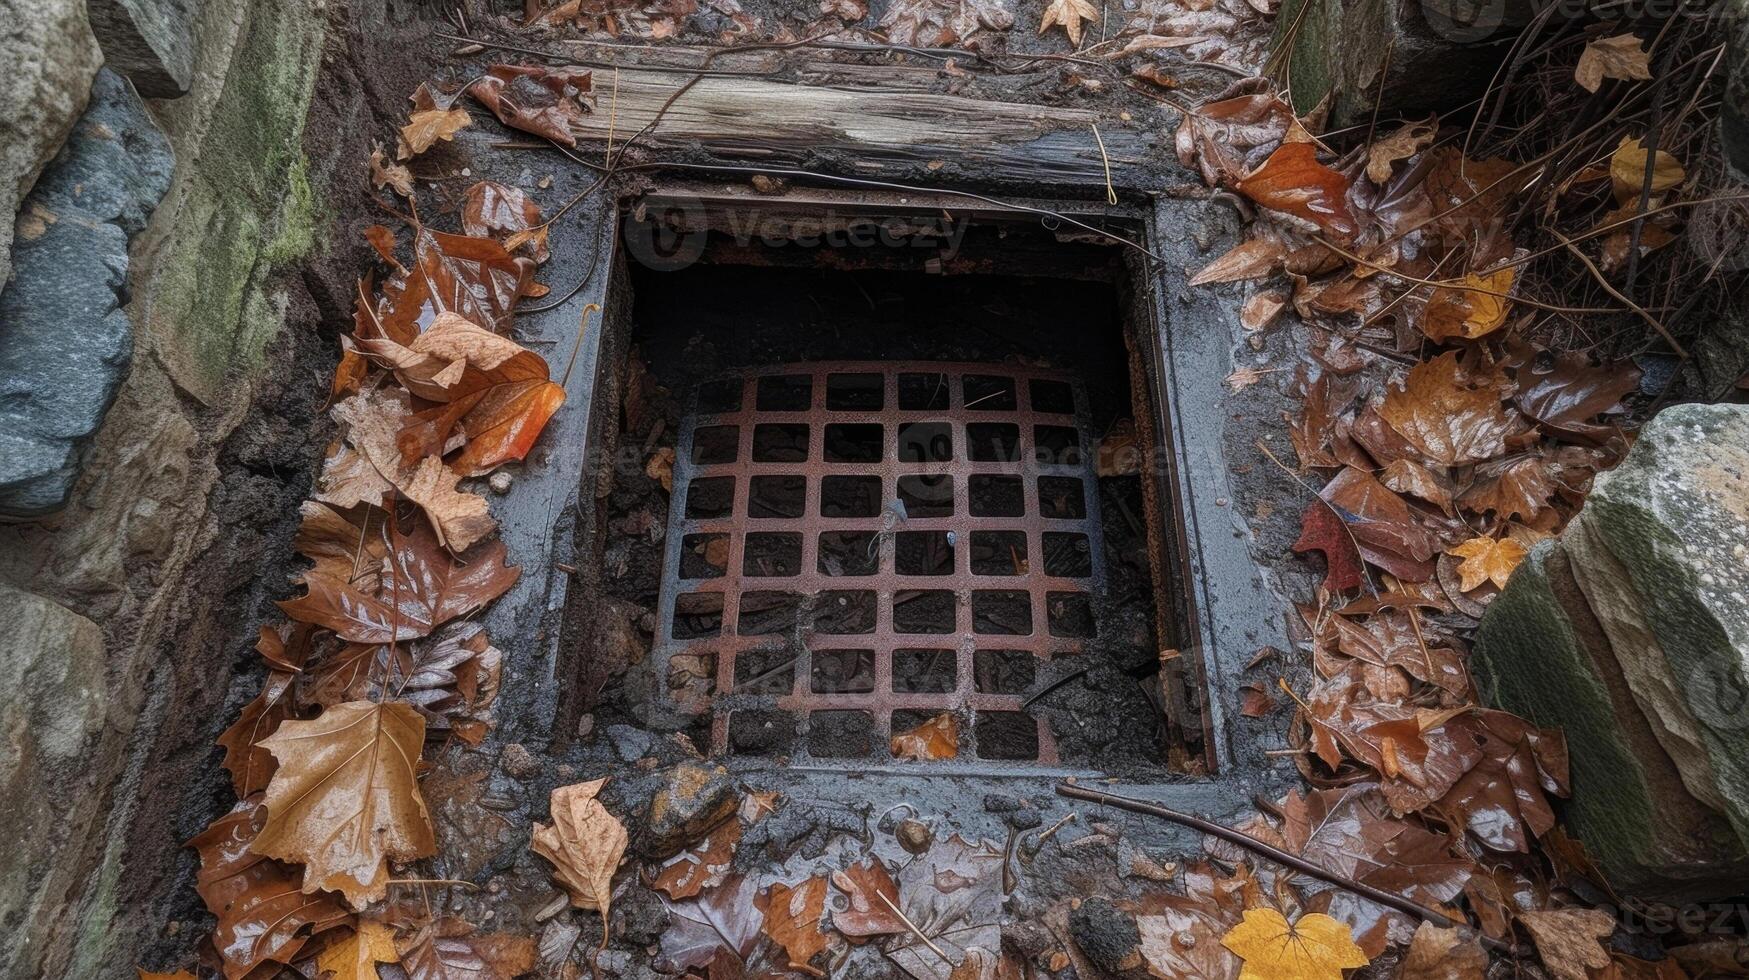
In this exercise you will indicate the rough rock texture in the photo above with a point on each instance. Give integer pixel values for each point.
(50, 57)
(694, 798)
(1632, 633)
(65, 341)
(149, 41)
(1430, 55)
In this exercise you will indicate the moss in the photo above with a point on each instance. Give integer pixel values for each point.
(299, 218)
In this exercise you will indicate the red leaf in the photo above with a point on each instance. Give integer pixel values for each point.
(1320, 530)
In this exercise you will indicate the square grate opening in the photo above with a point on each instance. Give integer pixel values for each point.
(863, 547)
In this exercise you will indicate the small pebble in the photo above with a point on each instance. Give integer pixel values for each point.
(500, 482)
(914, 836)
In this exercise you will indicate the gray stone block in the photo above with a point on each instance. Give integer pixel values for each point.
(149, 41)
(65, 341)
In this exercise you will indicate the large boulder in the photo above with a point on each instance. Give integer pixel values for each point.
(1631, 632)
(149, 41)
(65, 341)
(50, 57)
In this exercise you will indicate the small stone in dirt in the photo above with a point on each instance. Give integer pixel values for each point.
(500, 481)
(519, 762)
(1106, 935)
(639, 917)
(1000, 803)
(914, 836)
(1025, 818)
(693, 799)
(629, 743)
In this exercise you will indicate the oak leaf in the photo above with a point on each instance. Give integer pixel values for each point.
(1446, 420)
(1620, 56)
(584, 843)
(1316, 947)
(1569, 940)
(1293, 182)
(792, 920)
(932, 741)
(1475, 307)
(345, 800)
(1627, 170)
(1487, 559)
(263, 916)
(872, 896)
(428, 123)
(1443, 954)
(356, 957)
(1068, 14)
(1408, 140)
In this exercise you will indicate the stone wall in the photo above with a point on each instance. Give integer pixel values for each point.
(117, 598)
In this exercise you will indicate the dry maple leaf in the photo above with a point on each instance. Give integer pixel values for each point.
(1294, 183)
(1472, 312)
(449, 949)
(1068, 14)
(345, 800)
(872, 896)
(584, 843)
(1487, 559)
(792, 920)
(1569, 940)
(263, 916)
(933, 23)
(932, 741)
(1627, 170)
(1447, 421)
(1316, 947)
(1407, 141)
(1443, 954)
(356, 957)
(1612, 57)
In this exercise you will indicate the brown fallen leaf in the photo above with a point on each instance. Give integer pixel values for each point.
(703, 865)
(356, 957)
(1447, 420)
(1519, 488)
(345, 800)
(1316, 947)
(865, 886)
(932, 741)
(428, 123)
(536, 99)
(1261, 309)
(146, 974)
(660, 467)
(502, 212)
(386, 173)
(1469, 313)
(1294, 183)
(584, 843)
(263, 915)
(933, 23)
(1217, 137)
(1569, 940)
(449, 949)
(1408, 140)
(1620, 56)
(1443, 954)
(1068, 14)
(1253, 258)
(792, 920)
(250, 765)
(1487, 559)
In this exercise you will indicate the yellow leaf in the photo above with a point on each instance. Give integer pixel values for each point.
(427, 126)
(1487, 559)
(1627, 170)
(1316, 947)
(584, 842)
(1469, 313)
(934, 740)
(1068, 14)
(356, 957)
(1612, 57)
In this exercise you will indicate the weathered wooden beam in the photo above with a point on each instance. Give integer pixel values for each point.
(869, 132)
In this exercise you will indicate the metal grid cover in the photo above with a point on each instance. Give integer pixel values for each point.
(853, 547)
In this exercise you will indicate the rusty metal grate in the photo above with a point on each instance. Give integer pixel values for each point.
(855, 547)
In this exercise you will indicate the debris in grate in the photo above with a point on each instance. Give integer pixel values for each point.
(866, 547)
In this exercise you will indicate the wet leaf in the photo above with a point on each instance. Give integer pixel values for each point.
(584, 843)
(474, 278)
(250, 765)
(1446, 420)
(936, 23)
(1612, 57)
(1571, 391)
(536, 99)
(1627, 170)
(1487, 559)
(1217, 138)
(345, 800)
(932, 741)
(1408, 140)
(451, 678)
(501, 212)
(1068, 14)
(1410, 477)
(1469, 197)
(429, 123)
(1468, 314)
(865, 886)
(1253, 258)
(1443, 954)
(263, 916)
(1261, 309)
(1321, 530)
(953, 893)
(1570, 940)
(792, 920)
(1316, 947)
(725, 920)
(1386, 529)
(356, 957)
(701, 866)
(1181, 934)
(1518, 488)
(1293, 182)
(449, 949)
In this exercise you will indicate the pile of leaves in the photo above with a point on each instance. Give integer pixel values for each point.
(380, 656)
